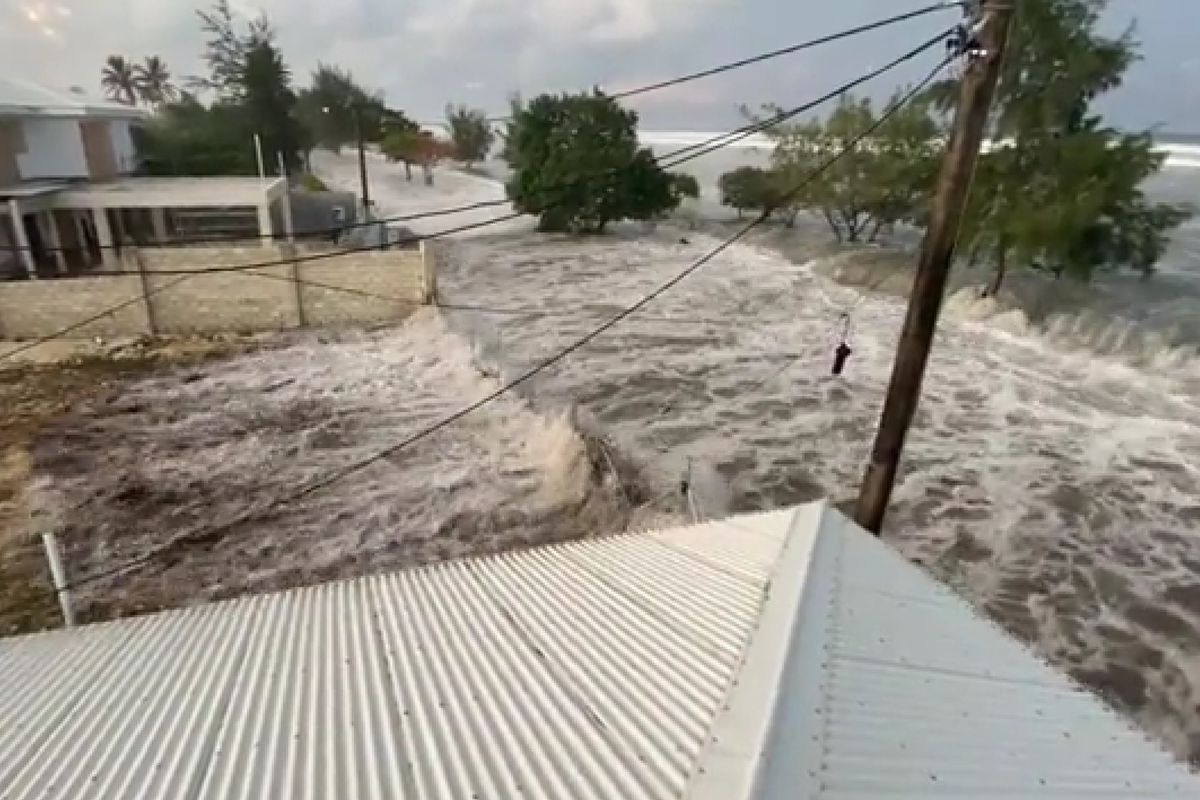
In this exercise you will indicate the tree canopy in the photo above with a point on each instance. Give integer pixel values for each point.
(471, 133)
(153, 81)
(117, 80)
(254, 97)
(187, 138)
(684, 185)
(227, 50)
(750, 189)
(1062, 191)
(885, 179)
(335, 103)
(578, 167)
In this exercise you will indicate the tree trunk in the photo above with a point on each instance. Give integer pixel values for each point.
(993, 289)
(837, 232)
(408, 171)
(875, 231)
(850, 220)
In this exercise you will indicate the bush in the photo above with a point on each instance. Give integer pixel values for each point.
(471, 132)
(684, 185)
(746, 189)
(577, 165)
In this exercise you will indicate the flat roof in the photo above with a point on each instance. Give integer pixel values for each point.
(171, 192)
(31, 189)
(22, 97)
(779, 655)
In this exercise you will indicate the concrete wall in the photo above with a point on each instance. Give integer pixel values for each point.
(355, 289)
(53, 149)
(314, 211)
(32, 309)
(121, 131)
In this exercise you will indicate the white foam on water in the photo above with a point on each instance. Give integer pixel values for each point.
(179, 454)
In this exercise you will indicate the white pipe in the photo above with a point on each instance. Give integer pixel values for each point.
(262, 172)
(59, 574)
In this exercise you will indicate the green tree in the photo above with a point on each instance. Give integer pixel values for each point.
(334, 104)
(254, 97)
(684, 185)
(153, 82)
(744, 189)
(186, 138)
(1062, 191)
(471, 132)
(515, 106)
(577, 165)
(884, 179)
(226, 51)
(117, 79)
(403, 142)
(268, 101)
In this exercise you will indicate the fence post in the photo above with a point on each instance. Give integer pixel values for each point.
(59, 575)
(145, 282)
(428, 273)
(291, 251)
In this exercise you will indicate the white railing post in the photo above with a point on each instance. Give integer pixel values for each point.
(59, 574)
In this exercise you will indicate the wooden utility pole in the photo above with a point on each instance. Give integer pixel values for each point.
(989, 39)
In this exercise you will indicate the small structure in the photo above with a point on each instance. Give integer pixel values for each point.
(68, 201)
(781, 655)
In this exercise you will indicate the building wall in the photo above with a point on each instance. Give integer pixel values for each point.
(380, 287)
(53, 149)
(98, 149)
(121, 132)
(12, 140)
(30, 309)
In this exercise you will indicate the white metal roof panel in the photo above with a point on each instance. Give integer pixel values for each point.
(583, 670)
(891, 686)
(775, 655)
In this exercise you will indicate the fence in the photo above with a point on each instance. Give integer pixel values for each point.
(378, 286)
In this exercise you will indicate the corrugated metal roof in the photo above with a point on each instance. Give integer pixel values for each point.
(586, 670)
(784, 654)
(892, 686)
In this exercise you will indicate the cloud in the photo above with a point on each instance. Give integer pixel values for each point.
(424, 53)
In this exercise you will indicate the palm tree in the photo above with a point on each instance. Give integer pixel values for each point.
(153, 82)
(117, 79)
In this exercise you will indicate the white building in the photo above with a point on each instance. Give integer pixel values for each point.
(67, 198)
(779, 655)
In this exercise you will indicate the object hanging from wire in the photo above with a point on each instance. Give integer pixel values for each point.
(843, 352)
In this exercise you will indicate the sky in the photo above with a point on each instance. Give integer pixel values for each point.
(422, 54)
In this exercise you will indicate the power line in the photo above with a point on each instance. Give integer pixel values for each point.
(773, 54)
(536, 370)
(412, 217)
(745, 132)
(883, 23)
